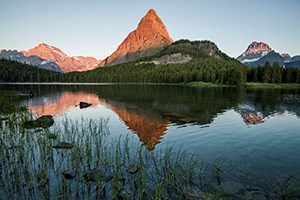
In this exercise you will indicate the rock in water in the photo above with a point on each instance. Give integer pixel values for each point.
(84, 105)
(132, 169)
(69, 174)
(95, 175)
(63, 145)
(255, 195)
(231, 187)
(42, 122)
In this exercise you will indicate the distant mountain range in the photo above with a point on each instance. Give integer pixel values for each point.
(30, 60)
(258, 53)
(52, 58)
(149, 39)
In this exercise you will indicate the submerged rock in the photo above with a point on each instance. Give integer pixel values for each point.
(132, 169)
(15, 146)
(42, 122)
(3, 118)
(231, 187)
(255, 195)
(38, 130)
(126, 193)
(95, 175)
(63, 145)
(84, 105)
(52, 136)
(43, 182)
(69, 174)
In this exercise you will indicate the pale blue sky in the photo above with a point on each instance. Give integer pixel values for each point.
(96, 28)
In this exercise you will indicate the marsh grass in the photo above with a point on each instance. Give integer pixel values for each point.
(104, 167)
(32, 168)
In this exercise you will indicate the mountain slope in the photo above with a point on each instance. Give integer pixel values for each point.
(295, 64)
(13, 71)
(182, 61)
(286, 57)
(66, 63)
(78, 63)
(295, 58)
(149, 38)
(183, 51)
(271, 57)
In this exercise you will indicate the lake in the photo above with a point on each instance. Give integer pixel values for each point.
(253, 133)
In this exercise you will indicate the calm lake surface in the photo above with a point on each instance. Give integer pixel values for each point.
(254, 132)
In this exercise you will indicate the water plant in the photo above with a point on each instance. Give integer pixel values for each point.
(81, 160)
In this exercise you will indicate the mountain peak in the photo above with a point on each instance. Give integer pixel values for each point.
(255, 51)
(258, 47)
(150, 36)
(151, 16)
(151, 12)
(47, 52)
(44, 45)
(286, 56)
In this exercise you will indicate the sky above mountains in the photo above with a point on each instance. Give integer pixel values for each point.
(96, 28)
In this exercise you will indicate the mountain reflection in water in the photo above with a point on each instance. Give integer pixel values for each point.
(148, 110)
(61, 104)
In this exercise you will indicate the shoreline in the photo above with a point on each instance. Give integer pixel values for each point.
(192, 84)
(251, 85)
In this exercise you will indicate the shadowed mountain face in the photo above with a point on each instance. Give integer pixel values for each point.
(149, 38)
(272, 57)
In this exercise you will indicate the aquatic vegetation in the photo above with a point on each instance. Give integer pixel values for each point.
(80, 160)
(88, 165)
(9, 103)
